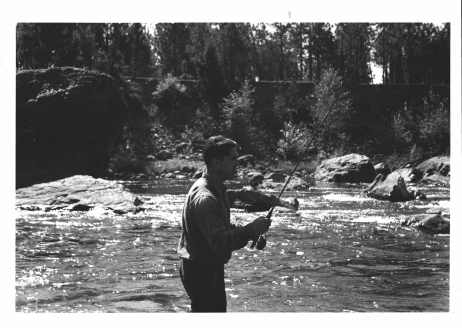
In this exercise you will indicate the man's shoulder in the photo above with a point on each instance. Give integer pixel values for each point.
(200, 190)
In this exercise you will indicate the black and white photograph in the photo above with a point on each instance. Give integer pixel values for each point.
(279, 163)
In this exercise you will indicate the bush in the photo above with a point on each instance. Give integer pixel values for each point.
(124, 164)
(292, 143)
(240, 124)
(334, 132)
(171, 99)
(423, 132)
(173, 165)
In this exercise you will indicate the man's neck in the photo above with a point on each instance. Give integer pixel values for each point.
(214, 175)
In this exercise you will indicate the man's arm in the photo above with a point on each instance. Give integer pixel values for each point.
(209, 218)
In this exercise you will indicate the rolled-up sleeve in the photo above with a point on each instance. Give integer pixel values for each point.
(219, 236)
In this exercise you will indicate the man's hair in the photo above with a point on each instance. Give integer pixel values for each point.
(217, 147)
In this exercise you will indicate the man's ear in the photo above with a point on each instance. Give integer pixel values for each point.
(215, 161)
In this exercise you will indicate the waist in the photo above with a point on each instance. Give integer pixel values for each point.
(203, 265)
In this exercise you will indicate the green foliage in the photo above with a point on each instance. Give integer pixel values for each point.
(238, 121)
(211, 81)
(170, 99)
(334, 132)
(434, 125)
(128, 164)
(173, 165)
(293, 140)
(423, 131)
(112, 48)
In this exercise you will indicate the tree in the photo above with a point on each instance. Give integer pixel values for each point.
(328, 92)
(211, 80)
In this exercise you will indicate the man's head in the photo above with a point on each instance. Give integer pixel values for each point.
(220, 157)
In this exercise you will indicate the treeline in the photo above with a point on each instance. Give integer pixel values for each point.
(410, 53)
(220, 59)
(117, 49)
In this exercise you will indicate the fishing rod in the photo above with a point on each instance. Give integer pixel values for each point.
(259, 240)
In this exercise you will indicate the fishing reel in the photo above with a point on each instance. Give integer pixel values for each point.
(259, 242)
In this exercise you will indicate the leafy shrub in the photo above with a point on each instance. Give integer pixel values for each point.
(239, 122)
(423, 132)
(126, 164)
(173, 165)
(292, 143)
(334, 131)
(171, 99)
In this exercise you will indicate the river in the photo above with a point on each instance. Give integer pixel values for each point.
(341, 252)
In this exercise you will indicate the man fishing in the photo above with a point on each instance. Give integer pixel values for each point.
(208, 239)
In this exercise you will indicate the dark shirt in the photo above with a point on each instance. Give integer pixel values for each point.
(207, 235)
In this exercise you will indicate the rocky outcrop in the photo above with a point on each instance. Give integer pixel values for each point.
(68, 122)
(349, 168)
(275, 177)
(409, 174)
(163, 155)
(391, 188)
(428, 223)
(79, 192)
(435, 170)
(381, 168)
(246, 160)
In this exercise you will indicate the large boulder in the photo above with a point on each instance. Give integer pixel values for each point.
(428, 223)
(275, 177)
(435, 170)
(68, 122)
(163, 155)
(79, 192)
(391, 188)
(246, 160)
(381, 168)
(349, 168)
(409, 174)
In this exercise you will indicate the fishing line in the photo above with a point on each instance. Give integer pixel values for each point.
(259, 240)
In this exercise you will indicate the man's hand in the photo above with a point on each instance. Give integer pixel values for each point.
(261, 225)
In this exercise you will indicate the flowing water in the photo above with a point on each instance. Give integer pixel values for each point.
(341, 252)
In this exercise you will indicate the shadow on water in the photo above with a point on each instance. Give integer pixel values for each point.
(340, 252)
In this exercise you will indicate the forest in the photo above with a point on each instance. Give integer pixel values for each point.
(222, 59)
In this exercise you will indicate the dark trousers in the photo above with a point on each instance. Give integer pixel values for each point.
(205, 285)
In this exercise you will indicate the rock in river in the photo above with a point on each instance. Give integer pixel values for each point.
(349, 168)
(68, 122)
(79, 192)
(391, 188)
(428, 223)
(436, 170)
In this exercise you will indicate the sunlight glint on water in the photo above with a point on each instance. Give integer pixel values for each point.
(340, 252)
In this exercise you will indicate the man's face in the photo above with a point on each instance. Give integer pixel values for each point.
(227, 166)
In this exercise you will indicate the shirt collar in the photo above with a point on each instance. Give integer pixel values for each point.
(219, 186)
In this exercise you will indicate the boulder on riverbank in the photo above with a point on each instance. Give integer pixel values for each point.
(435, 170)
(428, 223)
(68, 122)
(391, 188)
(245, 160)
(351, 168)
(79, 193)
